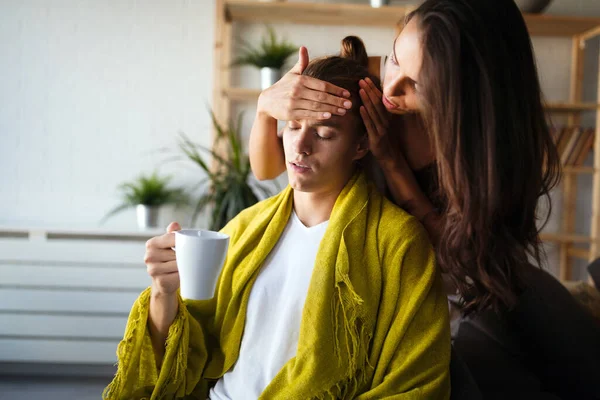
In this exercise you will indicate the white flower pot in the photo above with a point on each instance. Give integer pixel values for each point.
(147, 216)
(268, 77)
(379, 3)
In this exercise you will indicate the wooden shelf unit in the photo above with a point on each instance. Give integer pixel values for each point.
(579, 29)
(314, 13)
(365, 15)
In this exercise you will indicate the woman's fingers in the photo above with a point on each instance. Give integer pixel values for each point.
(371, 130)
(325, 98)
(312, 105)
(299, 114)
(373, 114)
(375, 97)
(322, 86)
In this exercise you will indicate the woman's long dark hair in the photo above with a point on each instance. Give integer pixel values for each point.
(495, 155)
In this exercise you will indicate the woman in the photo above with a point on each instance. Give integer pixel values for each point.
(461, 89)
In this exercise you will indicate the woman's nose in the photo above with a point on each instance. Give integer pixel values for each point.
(394, 87)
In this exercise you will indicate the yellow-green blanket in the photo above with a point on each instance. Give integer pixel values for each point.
(374, 325)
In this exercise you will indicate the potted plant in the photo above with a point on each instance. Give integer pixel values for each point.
(147, 194)
(269, 57)
(227, 187)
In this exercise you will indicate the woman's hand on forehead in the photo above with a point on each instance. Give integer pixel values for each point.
(297, 96)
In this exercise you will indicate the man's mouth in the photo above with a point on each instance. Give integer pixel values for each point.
(299, 167)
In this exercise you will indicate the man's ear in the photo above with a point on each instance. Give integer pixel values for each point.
(362, 148)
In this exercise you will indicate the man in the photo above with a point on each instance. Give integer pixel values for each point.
(328, 290)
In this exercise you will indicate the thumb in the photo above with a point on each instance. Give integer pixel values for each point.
(173, 226)
(302, 61)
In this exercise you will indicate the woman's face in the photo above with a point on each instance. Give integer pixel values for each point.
(402, 68)
(401, 96)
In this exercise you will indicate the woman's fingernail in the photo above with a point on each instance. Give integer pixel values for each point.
(348, 104)
(341, 111)
(326, 115)
(362, 83)
(346, 93)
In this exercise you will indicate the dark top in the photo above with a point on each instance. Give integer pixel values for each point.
(547, 347)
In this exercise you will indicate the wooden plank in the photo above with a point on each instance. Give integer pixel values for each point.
(565, 108)
(595, 229)
(61, 326)
(57, 351)
(242, 94)
(44, 300)
(221, 70)
(74, 277)
(565, 238)
(583, 254)
(576, 79)
(558, 25)
(592, 33)
(570, 181)
(364, 15)
(569, 169)
(315, 13)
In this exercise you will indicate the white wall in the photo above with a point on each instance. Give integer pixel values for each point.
(88, 89)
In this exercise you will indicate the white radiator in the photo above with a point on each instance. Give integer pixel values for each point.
(65, 294)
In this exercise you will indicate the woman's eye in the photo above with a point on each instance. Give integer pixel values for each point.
(293, 127)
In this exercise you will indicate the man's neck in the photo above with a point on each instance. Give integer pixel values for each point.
(314, 208)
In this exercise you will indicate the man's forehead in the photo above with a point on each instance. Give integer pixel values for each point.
(335, 121)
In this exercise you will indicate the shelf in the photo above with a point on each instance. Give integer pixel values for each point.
(241, 94)
(386, 17)
(584, 254)
(315, 13)
(554, 25)
(568, 169)
(565, 238)
(571, 107)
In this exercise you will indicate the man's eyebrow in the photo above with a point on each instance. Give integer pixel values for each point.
(331, 123)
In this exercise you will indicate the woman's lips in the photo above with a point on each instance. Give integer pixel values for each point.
(388, 104)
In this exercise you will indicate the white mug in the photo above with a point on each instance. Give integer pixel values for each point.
(200, 256)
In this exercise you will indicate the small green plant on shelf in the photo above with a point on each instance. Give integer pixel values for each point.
(148, 192)
(270, 53)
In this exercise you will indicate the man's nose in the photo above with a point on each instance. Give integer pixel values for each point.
(303, 142)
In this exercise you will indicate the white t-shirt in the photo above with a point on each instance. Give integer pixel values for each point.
(274, 313)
